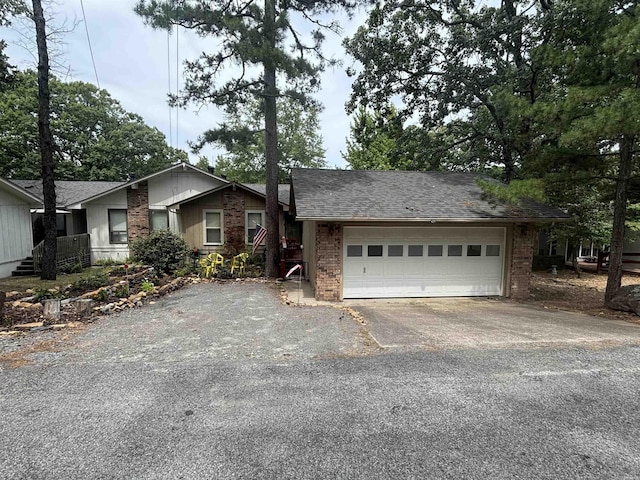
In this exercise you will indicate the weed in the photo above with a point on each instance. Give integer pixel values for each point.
(147, 286)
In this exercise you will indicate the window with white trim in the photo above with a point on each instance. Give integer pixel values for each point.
(252, 218)
(213, 231)
(117, 225)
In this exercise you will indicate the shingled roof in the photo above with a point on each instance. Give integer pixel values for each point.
(261, 188)
(355, 195)
(68, 192)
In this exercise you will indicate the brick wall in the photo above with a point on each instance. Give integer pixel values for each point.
(524, 236)
(138, 211)
(233, 205)
(328, 261)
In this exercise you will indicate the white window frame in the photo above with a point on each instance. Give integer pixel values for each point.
(110, 226)
(249, 241)
(204, 226)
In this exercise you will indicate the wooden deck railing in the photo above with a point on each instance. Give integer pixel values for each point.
(69, 251)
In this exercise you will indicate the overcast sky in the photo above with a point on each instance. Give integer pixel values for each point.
(133, 63)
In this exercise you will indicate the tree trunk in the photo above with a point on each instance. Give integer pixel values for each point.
(271, 142)
(46, 147)
(619, 215)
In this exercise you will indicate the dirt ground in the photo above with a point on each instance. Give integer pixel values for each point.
(565, 291)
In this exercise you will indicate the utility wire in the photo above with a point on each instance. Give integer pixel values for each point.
(177, 76)
(169, 79)
(86, 28)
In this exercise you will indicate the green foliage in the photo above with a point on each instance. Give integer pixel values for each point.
(122, 290)
(45, 294)
(164, 250)
(70, 268)
(515, 191)
(95, 138)
(107, 262)
(186, 270)
(101, 295)
(91, 282)
(462, 71)
(147, 286)
(299, 141)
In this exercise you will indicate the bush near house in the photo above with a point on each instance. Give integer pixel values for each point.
(165, 251)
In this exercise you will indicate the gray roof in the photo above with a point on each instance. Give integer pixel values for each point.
(68, 192)
(390, 195)
(261, 188)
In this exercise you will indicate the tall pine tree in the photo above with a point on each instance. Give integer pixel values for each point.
(267, 55)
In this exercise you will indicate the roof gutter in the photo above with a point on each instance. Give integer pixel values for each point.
(434, 220)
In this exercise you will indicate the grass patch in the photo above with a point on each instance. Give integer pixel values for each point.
(21, 284)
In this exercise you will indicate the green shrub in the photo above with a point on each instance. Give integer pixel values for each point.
(91, 282)
(165, 251)
(45, 294)
(70, 268)
(122, 291)
(147, 286)
(107, 262)
(185, 270)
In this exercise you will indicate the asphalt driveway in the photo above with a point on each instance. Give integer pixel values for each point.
(485, 323)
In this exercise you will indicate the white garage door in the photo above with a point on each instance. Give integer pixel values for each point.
(384, 262)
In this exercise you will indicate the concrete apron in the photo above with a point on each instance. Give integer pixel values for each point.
(439, 323)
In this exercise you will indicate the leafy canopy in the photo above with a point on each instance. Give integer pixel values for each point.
(94, 137)
(299, 143)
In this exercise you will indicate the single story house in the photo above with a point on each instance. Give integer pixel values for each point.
(224, 219)
(16, 237)
(371, 234)
(68, 192)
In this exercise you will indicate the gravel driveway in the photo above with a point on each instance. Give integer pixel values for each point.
(205, 321)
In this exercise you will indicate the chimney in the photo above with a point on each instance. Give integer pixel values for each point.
(210, 169)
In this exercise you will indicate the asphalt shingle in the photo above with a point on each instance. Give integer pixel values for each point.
(68, 192)
(387, 195)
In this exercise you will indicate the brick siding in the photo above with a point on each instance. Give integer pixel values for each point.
(234, 233)
(328, 261)
(524, 236)
(138, 211)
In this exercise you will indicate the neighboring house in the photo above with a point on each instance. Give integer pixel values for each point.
(68, 192)
(224, 219)
(16, 240)
(369, 234)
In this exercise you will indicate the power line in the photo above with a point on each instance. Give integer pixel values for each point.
(177, 76)
(169, 79)
(86, 28)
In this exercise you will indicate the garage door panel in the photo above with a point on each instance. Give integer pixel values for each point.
(424, 274)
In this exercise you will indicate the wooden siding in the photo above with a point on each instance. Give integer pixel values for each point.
(191, 216)
(16, 237)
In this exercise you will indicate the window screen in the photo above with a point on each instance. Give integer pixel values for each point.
(354, 250)
(493, 251)
(434, 250)
(374, 251)
(117, 226)
(415, 250)
(213, 227)
(395, 250)
(454, 251)
(159, 220)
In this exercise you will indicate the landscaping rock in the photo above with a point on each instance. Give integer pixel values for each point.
(28, 326)
(627, 299)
